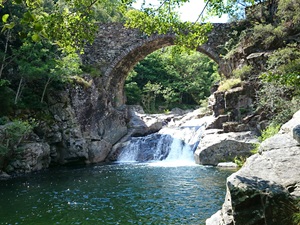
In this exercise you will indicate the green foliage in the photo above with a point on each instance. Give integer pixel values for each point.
(133, 93)
(3, 120)
(270, 131)
(239, 160)
(288, 12)
(296, 215)
(226, 85)
(268, 34)
(185, 78)
(13, 134)
(279, 102)
(6, 98)
(68, 24)
(108, 11)
(165, 19)
(67, 65)
(269, 31)
(231, 44)
(288, 109)
(284, 66)
(243, 72)
(170, 96)
(150, 92)
(255, 149)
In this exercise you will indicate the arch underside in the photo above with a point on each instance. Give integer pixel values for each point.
(116, 76)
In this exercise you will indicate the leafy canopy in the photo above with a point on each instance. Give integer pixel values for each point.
(71, 24)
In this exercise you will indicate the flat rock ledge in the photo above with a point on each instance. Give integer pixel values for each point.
(219, 147)
(264, 190)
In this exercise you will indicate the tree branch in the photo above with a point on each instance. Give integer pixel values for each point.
(201, 14)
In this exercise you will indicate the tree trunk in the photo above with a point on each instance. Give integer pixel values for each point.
(45, 88)
(5, 51)
(19, 90)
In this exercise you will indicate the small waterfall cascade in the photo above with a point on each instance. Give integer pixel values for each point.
(170, 144)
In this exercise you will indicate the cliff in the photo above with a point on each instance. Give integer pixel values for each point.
(79, 126)
(265, 189)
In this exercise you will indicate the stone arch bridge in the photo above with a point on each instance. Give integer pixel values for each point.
(117, 49)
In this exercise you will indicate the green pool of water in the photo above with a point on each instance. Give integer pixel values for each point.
(114, 194)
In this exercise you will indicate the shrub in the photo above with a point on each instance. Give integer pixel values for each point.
(288, 12)
(284, 66)
(12, 135)
(239, 160)
(270, 131)
(243, 72)
(277, 102)
(268, 34)
(229, 83)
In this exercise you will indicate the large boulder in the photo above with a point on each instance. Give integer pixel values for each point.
(264, 189)
(85, 125)
(221, 147)
(32, 156)
(142, 124)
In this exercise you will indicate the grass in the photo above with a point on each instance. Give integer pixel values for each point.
(229, 83)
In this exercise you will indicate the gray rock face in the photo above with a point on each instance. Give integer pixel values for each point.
(215, 148)
(143, 124)
(33, 157)
(287, 128)
(234, 102)
(86, 125)
(262, 191)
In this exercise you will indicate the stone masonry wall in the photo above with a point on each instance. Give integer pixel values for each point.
(117, 49)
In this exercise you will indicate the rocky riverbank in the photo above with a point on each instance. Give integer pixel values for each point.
(263, 191)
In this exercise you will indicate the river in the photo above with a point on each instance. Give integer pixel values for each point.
(135, 193)
(166, 188)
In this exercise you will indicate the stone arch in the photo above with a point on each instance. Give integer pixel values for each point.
(117, 49)
(116, 74)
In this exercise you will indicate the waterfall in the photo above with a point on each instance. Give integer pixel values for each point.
(170, 144)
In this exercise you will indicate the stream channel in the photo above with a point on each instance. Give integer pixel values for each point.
(168, 188)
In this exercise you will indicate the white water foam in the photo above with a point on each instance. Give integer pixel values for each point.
(169, 147)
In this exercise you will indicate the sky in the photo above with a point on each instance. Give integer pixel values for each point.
(191, 10)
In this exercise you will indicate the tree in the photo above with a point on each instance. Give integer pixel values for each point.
(150, 92)
(68, 24)
(184, 78)
(71, 24)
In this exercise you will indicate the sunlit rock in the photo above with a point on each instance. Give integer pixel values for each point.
(264, 189)
(221, 147)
